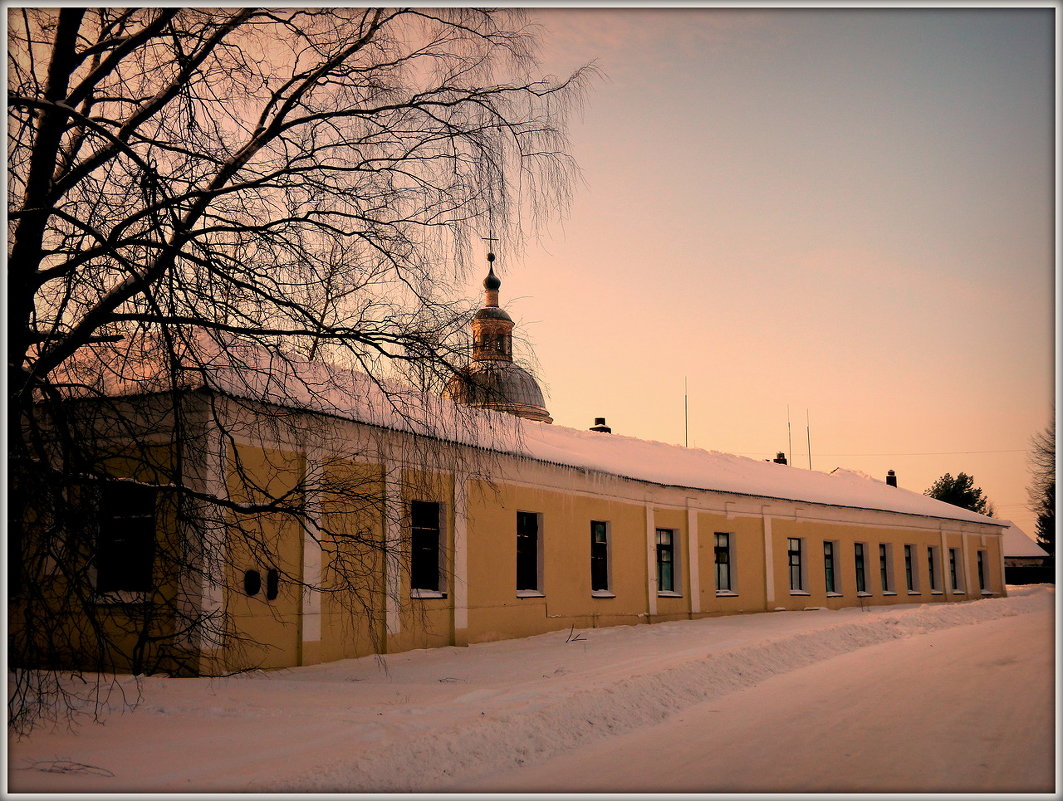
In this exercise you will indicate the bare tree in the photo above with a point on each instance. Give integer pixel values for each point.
(1042, 489)
(293, 192)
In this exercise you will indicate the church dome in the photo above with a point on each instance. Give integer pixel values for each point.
(502, 386)
(491, 380)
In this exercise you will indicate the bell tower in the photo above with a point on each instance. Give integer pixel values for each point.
(492, 380)
(492, 337)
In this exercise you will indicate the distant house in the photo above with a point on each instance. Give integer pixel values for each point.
(1025, 562)
(475, 519)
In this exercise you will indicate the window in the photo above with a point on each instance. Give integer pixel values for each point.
(599, 556)
(861, 571)
(981, 571)
(724, 578)
(793, 552)
(933, 562)
(125, 548)
(954, 572)
(665, 560)
(885, 563)
(425, 564)
(910, 576)
(528, 552)
(830, 576)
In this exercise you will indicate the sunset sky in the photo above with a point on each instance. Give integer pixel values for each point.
(846, 211)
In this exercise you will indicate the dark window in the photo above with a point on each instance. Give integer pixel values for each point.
(981, 571)
(527, 551)
(861, 574)
(828, 566)
(665, 560)
(884, 566)
(273, 584)
(909, 569)
(793, 552)
(125, 548)
(252, 582)
(723, 562)
(424, 545)
(599, 555)
(932, 563)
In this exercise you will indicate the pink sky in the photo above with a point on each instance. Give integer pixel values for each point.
(844, 211)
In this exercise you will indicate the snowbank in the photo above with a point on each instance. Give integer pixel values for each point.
(426, 720)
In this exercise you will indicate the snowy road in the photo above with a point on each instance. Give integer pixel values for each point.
(857, 723)
(938, 697)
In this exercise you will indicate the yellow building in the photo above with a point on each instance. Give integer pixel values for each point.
(411, 521)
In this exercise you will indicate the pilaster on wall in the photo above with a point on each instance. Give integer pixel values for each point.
(461, 559)
(769, 558)
(392, 544)
(311, 608)
(212, 534)
(651, 561)
(692, 559)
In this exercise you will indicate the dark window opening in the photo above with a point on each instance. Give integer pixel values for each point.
(125, 548)
(981, 571)
(909, 572)
(722, 550)
(861, 575)
(527, 551)
(665, 561)
(884, 566)
(273, 578)
(424, 546)
(828, 566)
(252, 582)
(599, 555)
(793, 552)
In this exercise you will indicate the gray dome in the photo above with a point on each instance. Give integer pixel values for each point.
(492, 313)
(499, 385)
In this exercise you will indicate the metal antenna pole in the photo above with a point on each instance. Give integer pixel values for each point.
(808, 433)
(789, 433)
(686, 418)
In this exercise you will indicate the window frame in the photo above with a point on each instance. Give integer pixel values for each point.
(604, 560)
(911, 572)
(933, 557)
(885, 568)
(435, 534)
(956, 571)
(107, 580)
(831, 579)
(860, 566)
(522, 567)
(983, 572)
(796, 565)
(670, 548)
(727, 566)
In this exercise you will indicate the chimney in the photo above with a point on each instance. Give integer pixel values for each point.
(599, 425)
(891, 478)
(780, 458)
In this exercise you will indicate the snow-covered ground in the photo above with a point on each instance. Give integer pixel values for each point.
(914, 698)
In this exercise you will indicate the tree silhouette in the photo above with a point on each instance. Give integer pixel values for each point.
(960, 491)
(1042, 489)
(282, 194)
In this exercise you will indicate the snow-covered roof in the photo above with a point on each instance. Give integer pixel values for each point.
(1017, 542)
(248, 371)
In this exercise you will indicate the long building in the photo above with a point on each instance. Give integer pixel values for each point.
(421, 521)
